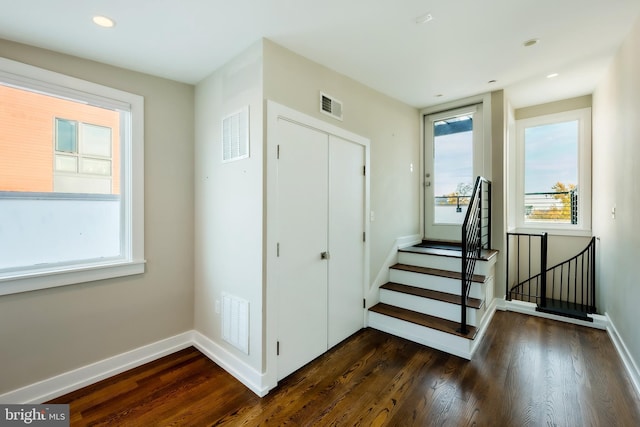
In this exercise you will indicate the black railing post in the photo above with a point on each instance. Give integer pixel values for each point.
(574, 206)
(489, 215)
(507, 294)
(543, 270)
(593, 274)
(463, 290)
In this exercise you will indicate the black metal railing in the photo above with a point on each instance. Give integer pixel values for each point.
(476, 236)
(555, 206)
(567, 288)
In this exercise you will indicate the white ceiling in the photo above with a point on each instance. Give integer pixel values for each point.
(377, 42)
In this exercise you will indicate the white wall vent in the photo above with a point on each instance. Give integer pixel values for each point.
(235, 322)
(330, 106)
(235, 136)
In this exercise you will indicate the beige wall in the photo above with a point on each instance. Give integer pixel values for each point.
(229, 202)
(48, 332)
(392, 127)
(616, 155)
(554, 107)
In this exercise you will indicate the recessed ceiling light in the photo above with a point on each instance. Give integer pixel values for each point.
(103, 21)
(531, 42)
(423, 19)
(552, 75)
(492, 81)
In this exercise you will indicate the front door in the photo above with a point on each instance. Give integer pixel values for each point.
(453, 159)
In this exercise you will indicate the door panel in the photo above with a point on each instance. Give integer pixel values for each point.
(453, 158)
(302, 235)
(346, 227)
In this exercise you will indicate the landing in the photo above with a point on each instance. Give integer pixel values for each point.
(445, 248)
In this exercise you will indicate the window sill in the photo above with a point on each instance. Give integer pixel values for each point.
(25, 281)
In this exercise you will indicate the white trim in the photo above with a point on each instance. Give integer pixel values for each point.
(599, 322)
(76, 379)
(484, 325)
(68, 276)
(627, 359)
(252, 379)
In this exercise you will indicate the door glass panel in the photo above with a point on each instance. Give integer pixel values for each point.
(452, 168)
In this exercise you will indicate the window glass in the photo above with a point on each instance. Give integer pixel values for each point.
(66, 135)
(551, 172)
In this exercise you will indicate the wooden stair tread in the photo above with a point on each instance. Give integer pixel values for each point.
(485, 254)
(436, 272)
(425, 320)
(435, 295)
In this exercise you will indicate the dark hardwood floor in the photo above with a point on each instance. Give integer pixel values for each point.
(527, 372)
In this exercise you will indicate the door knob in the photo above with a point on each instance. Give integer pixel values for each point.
(324, 255)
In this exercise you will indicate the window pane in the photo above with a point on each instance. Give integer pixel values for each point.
(551, 173)
(95, 166)
(66, 136)
(453, 168)
(66, 163)
(96, 140)
(63, 207)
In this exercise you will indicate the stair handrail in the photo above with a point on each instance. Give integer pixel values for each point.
(476, 235)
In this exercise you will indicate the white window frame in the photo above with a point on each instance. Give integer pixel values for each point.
(132, 259)
(583, 227)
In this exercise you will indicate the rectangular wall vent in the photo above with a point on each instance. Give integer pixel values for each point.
(235, 322)
(330, 106)
(235, 136)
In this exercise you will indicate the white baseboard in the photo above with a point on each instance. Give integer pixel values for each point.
(629, 363)
(73, 380)
(491, 310)
(244, 373)
(599, 322)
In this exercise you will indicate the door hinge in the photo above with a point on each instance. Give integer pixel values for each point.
(278, 152)
(277, 348)
(364, 170)
(364, 303)
(364, 236)
(277, 249)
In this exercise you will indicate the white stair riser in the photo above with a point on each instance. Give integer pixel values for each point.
(442, 262)
(435, 283)
(449, 343)
(429, 306)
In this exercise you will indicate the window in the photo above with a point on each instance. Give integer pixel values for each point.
(83, 161)
(554, 180)
(71, 180)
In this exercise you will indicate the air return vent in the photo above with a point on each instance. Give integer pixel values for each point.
(235, 322)
(330, 106)
(235, 136)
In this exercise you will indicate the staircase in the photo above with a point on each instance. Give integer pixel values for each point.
(421, 302)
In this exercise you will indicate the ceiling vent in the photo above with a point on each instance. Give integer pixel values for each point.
(330, 106)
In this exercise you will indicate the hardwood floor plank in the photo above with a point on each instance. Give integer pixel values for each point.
(528, 371)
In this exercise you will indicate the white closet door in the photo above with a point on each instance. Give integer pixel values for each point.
(302, 236)
(346, 246)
